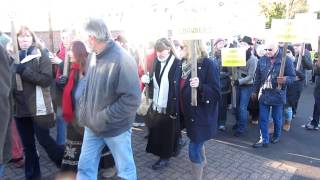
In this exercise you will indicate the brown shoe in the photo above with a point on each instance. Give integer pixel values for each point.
(287, 125)
(271, 128)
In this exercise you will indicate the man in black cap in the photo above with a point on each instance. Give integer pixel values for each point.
(244, 86)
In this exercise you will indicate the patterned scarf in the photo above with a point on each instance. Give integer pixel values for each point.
(186, 69)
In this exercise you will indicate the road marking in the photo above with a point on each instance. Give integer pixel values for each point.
(308, 157)
(232, 144)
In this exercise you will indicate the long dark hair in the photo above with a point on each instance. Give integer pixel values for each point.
(80, 54)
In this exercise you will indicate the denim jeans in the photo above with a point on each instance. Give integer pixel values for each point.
(316, 111)
(242, 115)
(61, 128)
(277, 114)
(288, 113)
(27, 129)
(195, 154)
(120, 147)
(1, 170)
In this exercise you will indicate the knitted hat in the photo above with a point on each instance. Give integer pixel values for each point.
(217, 41)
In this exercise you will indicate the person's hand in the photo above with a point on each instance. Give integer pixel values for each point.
(145, 79)
(281, 80)
(55, 60)
(194, 82)
(19, 68)
(62, 81)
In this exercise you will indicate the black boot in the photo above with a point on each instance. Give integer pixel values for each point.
(160, 164)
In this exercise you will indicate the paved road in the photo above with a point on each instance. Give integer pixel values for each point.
(298, 148)
(297, 156)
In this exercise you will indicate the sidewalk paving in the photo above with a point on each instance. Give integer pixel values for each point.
(224, 162)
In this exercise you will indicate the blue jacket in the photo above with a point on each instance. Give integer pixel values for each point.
(200, 121)
(273, 96)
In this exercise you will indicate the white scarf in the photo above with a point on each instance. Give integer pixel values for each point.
(160, 94)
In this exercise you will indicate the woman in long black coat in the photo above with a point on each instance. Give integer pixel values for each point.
(201, 120)
(164, 133)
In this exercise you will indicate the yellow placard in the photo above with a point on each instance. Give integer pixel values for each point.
(312, 53)
(233, 57)
(284, 30)
(293, 30)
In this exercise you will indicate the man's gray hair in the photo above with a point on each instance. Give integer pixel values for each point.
(97, 28)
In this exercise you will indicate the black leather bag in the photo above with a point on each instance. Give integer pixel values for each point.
(152, 118)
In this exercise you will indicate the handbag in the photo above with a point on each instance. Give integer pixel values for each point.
(145, 103)
(153, 118)
(45, 116)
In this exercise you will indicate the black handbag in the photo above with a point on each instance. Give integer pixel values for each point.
(152, 118)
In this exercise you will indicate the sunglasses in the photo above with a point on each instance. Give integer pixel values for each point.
(268, 49)
(288, 52)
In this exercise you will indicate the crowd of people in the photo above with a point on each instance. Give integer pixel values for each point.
(91, 90)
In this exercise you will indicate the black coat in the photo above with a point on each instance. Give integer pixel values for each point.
(36, 73)
(225, 74)
(201, 121)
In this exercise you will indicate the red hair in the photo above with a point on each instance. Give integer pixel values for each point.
(80, 54)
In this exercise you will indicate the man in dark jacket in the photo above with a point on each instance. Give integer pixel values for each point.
(314, 124)
(266, 85)
(108, 104)
(5, 110)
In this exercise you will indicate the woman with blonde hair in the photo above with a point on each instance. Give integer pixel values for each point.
(201, 120)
